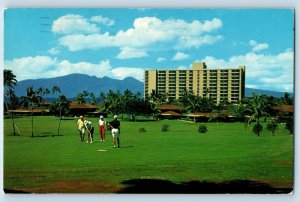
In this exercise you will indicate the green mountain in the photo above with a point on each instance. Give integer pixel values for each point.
(74, 83)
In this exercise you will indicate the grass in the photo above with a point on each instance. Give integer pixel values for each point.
(227, 151)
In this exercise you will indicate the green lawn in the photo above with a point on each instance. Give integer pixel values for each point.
(228, 151)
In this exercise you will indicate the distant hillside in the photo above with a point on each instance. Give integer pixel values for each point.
(248, 92)
(74, 83)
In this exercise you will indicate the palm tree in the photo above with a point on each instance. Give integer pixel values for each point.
(35, 98)
(10, 81)
(80, 97)
(63, 103)
(156, 99)
(256, 107)
(93, 98)
(55, 89)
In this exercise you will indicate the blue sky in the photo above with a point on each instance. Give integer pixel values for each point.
(44, 43)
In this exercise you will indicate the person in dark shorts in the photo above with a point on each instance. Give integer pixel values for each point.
(115, 131)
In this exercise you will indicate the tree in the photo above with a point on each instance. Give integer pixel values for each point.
(272, 127)
(286, 99)
(34, 98)
(134, 104)
(257, 128)
(256, 108)
(93, 99)
(10, 81)
(239, 110)
(113, 102)
(155, 99)
(60, 107)
(80, 97)
(194, 103)
(290, 125)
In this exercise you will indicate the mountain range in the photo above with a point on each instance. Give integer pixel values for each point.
(73, 84)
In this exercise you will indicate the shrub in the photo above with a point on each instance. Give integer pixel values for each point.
(202, 129)
(272, 127)
(290, 125)
(257, 128)
(165, 128)
(142, 130)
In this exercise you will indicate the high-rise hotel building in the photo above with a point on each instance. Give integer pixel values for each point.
(219, 84)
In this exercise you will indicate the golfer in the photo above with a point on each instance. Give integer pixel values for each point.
(90, 130)
(81, 128)
(115, 131)
(101, 125)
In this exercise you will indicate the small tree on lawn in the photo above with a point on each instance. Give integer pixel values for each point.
(256, 108)
(272, 127)
(290, 125)
(257, 128)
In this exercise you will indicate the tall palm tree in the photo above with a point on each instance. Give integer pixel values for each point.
(63, 103)
(34, 98)
(156, 99)
(10, 81)
(256, 107)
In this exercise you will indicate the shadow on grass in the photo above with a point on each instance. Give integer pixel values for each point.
(46, 134)
(200, 187)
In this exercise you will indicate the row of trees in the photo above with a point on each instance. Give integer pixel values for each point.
(255, 108)
(32, 100)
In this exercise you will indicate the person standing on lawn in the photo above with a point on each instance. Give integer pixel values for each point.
(90, 129)
(115, 131)
(81, 127)
(102, 124)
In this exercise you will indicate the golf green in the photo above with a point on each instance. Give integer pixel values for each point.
(182, 158)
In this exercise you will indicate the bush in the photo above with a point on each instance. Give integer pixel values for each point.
(272, 127)
(142, 130)
(257, 128)
(290, 125)
(165, 128)
(202, 129)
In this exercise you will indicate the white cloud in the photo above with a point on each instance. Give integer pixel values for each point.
(123, 72)
(101, 69)
(73, 24)
(183, 68)
(103, 20)
(258, 47)
(191, 41)
(30, 67)
(46, 67)
(180, 56)
(273, 72)
(54, 51)
(160, 59)
(92, 41)
(148, 31)
(252, 43)
(127, 53)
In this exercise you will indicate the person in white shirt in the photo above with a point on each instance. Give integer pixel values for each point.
(90, 129)
(102, 125)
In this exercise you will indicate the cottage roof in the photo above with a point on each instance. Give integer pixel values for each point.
(284, 108)
(74, 105)
(170, 113)
(170, 107)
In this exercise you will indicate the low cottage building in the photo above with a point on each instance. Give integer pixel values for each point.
(170, 111)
